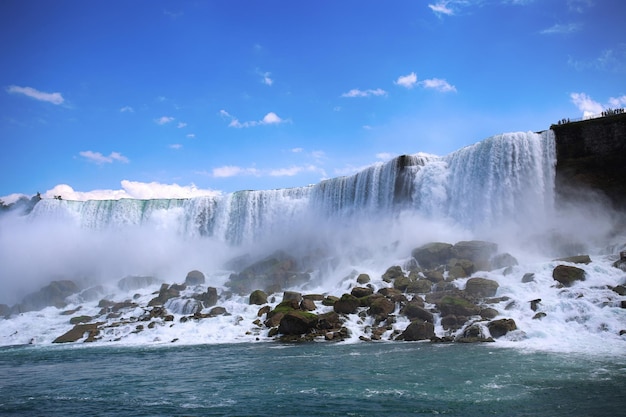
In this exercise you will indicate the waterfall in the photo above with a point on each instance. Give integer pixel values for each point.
(508, 176)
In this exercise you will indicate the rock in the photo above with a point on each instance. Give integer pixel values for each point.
(360, 292)
(539, 316)
(418, 330)
(218, 311)
(489, 313)
(313, 297)
(567, 275)
(381, 308)
(78, 332)
(420, 286)
(481, 287)
(292, 295)
(208, 298)
(578, 259)
(363, 279)
(183, 305)
(503, 260)
(271, 274)
(477, 251)
(80, 319)
(473, 334)
(619, 289)
(165, 293)
(53, 294)
(499, 328)
(451, 322)
(328, 321)
(330, 300)
(307, 305)
(434, 275)
(258, 297)
(263, 310)
(136, 282)
(528, 277)
(194, 278)
(534, 304)
(415, 311)
(347, 304)
(455, 305)
(392, 274)
(297, 322)
(5, 310)
(460, 268)
(433, 254)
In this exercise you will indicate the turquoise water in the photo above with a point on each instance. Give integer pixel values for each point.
(316, 379)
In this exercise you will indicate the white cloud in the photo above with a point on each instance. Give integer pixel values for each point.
(297, 150)
(164, 120)
(562, 29)
(364, 93)
(181, 125)
(617, 101)
(318, 154)
(438, 84)
(54, 98)
(586, 104)
(441, 8)
(127, 109)
(407, 81)
(132, 189)
(384, 156)
(266, 78)
(191, 135)
(270, 118)
(367, 127)
(233, 171)
(98, 158)
(579, 6)
(176, 146)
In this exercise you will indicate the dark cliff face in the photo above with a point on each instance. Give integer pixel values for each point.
(591, 155)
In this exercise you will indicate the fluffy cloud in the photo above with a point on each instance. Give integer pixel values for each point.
(191, 135)
(295, 170)
(407, 81)
(176, 146)
(127, 109)
(98, 158)
(54, 98)
(233, 171)
(364, 93)
(384, 156)
(438, 84)
(132, 189)
(164, 120)
(441, 8)
(591, 108)
(561, 29)
(266, 78)
(270, 118)
(181, 125)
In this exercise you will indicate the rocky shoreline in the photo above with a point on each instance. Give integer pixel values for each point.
(407, 303)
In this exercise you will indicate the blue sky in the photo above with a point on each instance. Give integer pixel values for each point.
(158, 98)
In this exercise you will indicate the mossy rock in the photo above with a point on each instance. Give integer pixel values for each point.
(457, 306)
(432, 254)
(481, 287)
(297, 322)
(347, 304)
(258, 297)
(363, 279)
(80, 319)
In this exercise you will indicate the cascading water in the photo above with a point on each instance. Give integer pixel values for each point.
(492, 181)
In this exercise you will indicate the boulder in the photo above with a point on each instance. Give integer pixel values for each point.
(578, 259)
(136, 282)
(258, 297)
(433, 254)
(381, 307)
(360, 292)
(80, 319)
(568, 275)
(208, 298)
(53, 294)
(392, 273)
(307, 305)
(499, 328)
(347, 304)
(420, 286)
(459, 268)
(292, 295)
(218, 311)
(503, 260)
(418, 330)
(297, 322)
(166, 292)
(457, 306)
(481, 287)
(271, 274)
(363, 279)
(452, 322)
(78, 332)
(330, 300)
(5, 310)
(328, 321)
(415, 311)
(194, 278)
(477, 251)
(528, 277)
(488, 313)
(473, 334)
